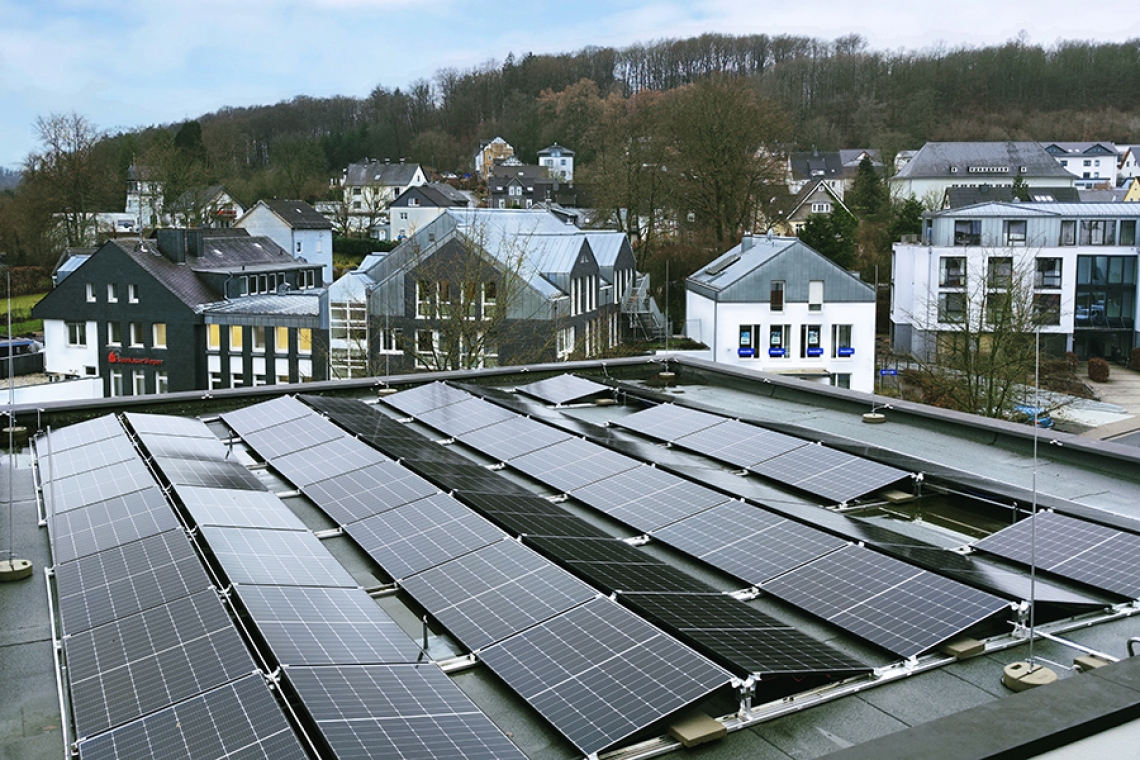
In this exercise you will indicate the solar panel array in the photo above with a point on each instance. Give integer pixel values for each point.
(816, 469)
(1094, 554)
(564, 389)
(591, 553)
(901, 608)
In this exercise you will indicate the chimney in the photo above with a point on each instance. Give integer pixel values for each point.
(746, 243)
(178, 244)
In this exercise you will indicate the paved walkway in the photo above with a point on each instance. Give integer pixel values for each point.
(1122, 390)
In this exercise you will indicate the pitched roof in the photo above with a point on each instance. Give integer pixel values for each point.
(435, 194)
(556, 148)
(179, 280)
(383, 173)
(957, 197)
(298, 214)
(809, 190)
(1082, 148)
(287, 304)
(840, 164)
(942, 160)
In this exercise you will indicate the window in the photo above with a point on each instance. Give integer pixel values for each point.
(750, 336)
(1048, 273)
(1000, 272)
(815, 295)
(90, 292)
(258, 339)
(841, 380)
(841, 342)
(259, 380)
(213, 337)
(1068, 232)
(999, 308)
(112, 293)
(490, 299)
(776, 295)
(968, 232)
(426, 345)
(136, 333)
(565, 343)
(1014, 232)
(1047, 308)
(133, 293)
(281, 340)
(1128, 232)
(304, 341)
(161, 382)
(158, 336)
(1088, 162)
(425, 299)
(114, 334)
(138, 383)
(215, 380)
(1098, 232)
(77, 334)
(951, 307)
(810, 345)
(952, 272)
(821, 208)
(778, 340)
(235, 338)
(116, 382)
(392, 341)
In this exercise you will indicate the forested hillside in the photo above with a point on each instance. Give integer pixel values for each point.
(622, 110)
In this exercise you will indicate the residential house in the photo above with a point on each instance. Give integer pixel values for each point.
(818, 197)
(295, 226)
(481, 287)
(367, 189)
(1094, 164)
(1129, 162)
(144, 195)
(1077, 262)
(515, 185)
(837, 168)
(773, 304)
(491, 153)
(1131, 190)
(957, 197)
(186, 310)
(211, 207)
(558, 161)
(417, 206)
(938, 166)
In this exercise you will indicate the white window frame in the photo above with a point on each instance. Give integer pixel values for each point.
(76, 334)
(135, 332)
(158, 335)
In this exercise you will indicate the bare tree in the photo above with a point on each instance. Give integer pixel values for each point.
(69, 173)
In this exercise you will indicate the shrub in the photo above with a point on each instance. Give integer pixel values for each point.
(1098, 370)
(1134, 360)
(1071, 358)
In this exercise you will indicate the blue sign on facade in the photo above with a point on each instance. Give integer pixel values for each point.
(815, 352)
(776, 352)
(745, 352)
(888, 372)
(845, 351)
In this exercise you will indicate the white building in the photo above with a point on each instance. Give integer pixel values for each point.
(1077, 261)
(559, 162)
(1129, 163)
(775, 305)
(295, 226)
(938, 166)
(1094, 164)
(417, 206)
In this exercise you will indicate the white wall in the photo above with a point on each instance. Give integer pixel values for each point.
(61, 359)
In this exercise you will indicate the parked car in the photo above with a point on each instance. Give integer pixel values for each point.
(1026, 413)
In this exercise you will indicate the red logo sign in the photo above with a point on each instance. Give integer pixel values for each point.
(114, 358)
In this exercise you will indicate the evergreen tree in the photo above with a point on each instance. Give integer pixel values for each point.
(834, 235)
(868, 197)
(1020, 189)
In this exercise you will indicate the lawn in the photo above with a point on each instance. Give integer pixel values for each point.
(22, 321)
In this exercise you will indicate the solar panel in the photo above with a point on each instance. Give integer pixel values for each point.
(614, 565)
(326, 626)
(564, 389)
(398, 711)
(208, 473)
(326, 460)
(572, 464)
(80, 434)
(81, 459)
(739, 443)
(530, 515)
(422, 534)
(123, 580)
(368, 491)
(275, 558)
(109, 523)
(462, 475)
(416, 401)
(91, 487)
(828, 473)
(512, 438)
(739, 634)
(599, 673)
(238, 509)
(292, 436)
(238, 720)
(169, 425)
(183, 448)
(668, 422)
(1100, 556)
(465, 416)
(265, 415)
(901, 608)
(145, 662)
(647, 498)
(494, 592)
(747, 542)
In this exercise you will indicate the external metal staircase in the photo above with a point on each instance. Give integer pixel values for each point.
(645, 318)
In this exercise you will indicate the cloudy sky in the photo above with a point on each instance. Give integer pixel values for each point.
(132, 63)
